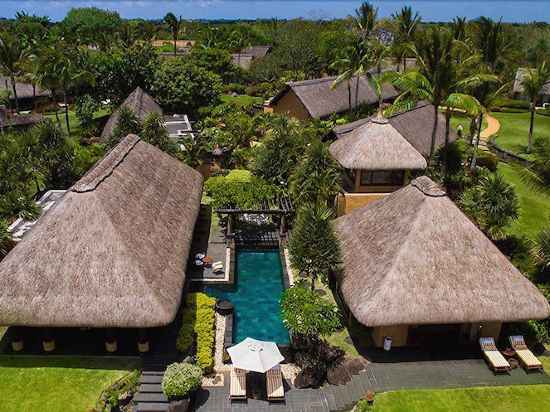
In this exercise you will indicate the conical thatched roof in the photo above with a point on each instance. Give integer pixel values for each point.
(376, 145)
(138, 102)
(415, 125)
(113, 251)
(415, 258)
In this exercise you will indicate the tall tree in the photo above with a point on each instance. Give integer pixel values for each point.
(406, 23)
(490, 41)
(12, 60)
(174, 24)
(365, 19)
(532, 84)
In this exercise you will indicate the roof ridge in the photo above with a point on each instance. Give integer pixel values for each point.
(106, 166)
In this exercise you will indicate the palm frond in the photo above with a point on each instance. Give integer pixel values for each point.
(531, 180)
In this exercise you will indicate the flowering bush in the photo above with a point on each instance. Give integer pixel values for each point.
(180, 379)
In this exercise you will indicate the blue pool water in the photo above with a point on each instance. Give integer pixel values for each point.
(256, 296)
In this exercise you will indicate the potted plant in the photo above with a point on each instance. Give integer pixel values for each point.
(111, 342)
(17, 343)
(179, 384)
(370, 397)
(48, 342)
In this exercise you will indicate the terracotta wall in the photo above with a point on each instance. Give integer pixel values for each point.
(399, 335)
(346, 202)
(290, 105)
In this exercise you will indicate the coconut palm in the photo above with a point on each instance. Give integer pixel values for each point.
(532, 84)
(348, 65)
(406, 23)
(490, 41)
(541, 248)
(458, 28)
(12, 60)
(365, 19)
(174, 24)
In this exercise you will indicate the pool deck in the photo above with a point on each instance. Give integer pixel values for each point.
(377, 377)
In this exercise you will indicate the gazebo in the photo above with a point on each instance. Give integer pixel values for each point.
(112, 252)
(414, 264)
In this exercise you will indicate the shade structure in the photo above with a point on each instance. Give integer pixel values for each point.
(255, 355)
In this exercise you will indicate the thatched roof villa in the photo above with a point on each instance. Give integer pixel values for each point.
(315, 99)
(112, 252)
(246, 56)
(380, 155)
(414, 264)
(25, 91)
(138, 102)
(518, 90)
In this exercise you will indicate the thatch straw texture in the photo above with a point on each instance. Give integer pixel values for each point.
(376, 145)
(138, 102)
(24, 90)
(414, 258)
(415, 125)
(320, 100)
(521, 74)
(257, 52)
(113, 251)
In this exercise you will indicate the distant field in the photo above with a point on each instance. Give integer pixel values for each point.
(241, 99)
(61, 384)
(514, 131)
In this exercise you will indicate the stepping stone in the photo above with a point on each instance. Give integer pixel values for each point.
(161, 373)
(150, 379)
(151, 397)
(150, 387)
(151, 407)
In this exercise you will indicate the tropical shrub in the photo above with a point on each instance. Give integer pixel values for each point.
(492, 203)
(127, 123)
(541, 249)
(488, 160)
(512, 104)
(5, 239)
(198, 321)
(181, 87)
(541, 159)
(110, 398)
(238, 189)
(180, 379)
(306, 313)
(314, 249)
(85, 108)
(317, 177)
(154, 132)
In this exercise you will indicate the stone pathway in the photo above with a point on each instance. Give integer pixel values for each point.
(493, 126)
(377, 377)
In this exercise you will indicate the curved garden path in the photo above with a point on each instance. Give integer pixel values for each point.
(493, 126)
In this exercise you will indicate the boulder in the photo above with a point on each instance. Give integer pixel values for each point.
(180, 405)
(355, 365)
(308, 378)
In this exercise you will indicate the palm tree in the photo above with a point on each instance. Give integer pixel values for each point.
(347, 65)
(365, 19)
(458, 28)
(532, 83)
(12, 60)
(174, 24)
(490, 41)
(406, 23)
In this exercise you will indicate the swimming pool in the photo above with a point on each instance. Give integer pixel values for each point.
(256, 296)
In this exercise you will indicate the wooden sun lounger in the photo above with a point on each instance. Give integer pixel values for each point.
(237, 389)
(526, 357)
(493, 357)
(275, 388)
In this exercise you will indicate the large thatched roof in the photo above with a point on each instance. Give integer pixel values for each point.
(521, 74)
(415, 125)
(376, 145)
(24, 90)
(320, 100)
(113, 251)
(257, 52)
(138, 102)
(415, 258)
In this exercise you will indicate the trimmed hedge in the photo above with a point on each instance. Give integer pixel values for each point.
(180, 379)
(198, 321)
(513, 103)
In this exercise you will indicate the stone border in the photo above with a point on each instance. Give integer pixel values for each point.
(505, 155)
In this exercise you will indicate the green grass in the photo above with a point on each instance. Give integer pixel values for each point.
(525, 398)
(464, 121)
(534, 207)
(61, 384)
(241, 100)
(514, 131)
(73, 121)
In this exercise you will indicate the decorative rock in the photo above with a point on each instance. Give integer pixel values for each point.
(355, 365)
(308, 378)
(181, 405)
(338, 375)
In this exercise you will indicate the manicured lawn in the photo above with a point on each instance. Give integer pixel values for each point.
(241, 99)
(56, 384)
(488, 399)
(73, 121)
(534, 207)
(458, 119)
(513, 134)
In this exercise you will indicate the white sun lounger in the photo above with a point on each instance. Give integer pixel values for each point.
(275, 388)
(237, 389)
(493, 357)
(526, 357)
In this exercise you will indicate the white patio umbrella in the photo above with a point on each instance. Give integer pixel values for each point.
(255, 355)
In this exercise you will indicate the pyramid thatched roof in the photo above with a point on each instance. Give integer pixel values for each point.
(138, 102)
(376, 145)
(415, 258)
(320, 100)
(415, 125)
(113, 251)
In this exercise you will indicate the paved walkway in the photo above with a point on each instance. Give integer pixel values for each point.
(376, 377)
